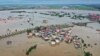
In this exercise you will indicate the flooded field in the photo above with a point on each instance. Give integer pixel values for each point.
(13, 21)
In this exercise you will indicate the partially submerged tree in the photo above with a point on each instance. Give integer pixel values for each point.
(29, 31)
(30, 49)
(87, 54)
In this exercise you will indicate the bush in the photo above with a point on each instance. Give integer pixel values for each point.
(87, 54)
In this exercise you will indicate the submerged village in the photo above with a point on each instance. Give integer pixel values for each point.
(49, 32)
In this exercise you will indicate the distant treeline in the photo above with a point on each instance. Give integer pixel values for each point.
(95, 6)
(46, 6)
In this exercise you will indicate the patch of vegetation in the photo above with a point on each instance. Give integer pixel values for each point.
(87, 54)
(30, 49)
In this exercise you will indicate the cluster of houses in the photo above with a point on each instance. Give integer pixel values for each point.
(94, 17)
(55, 35)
